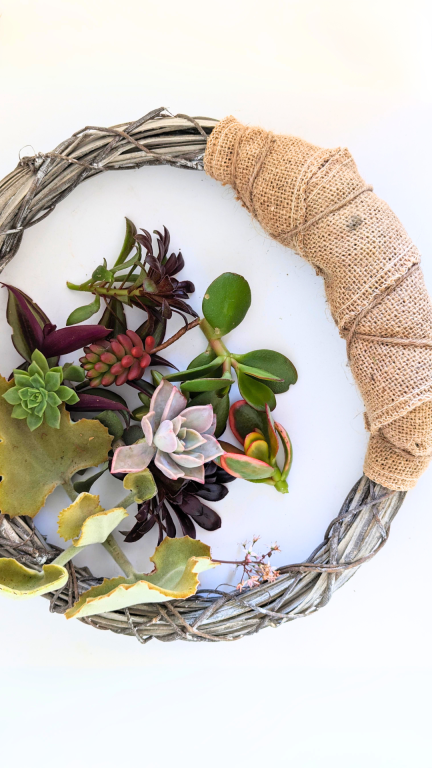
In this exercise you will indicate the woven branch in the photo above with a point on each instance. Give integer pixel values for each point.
(29, 194)
(352, 538)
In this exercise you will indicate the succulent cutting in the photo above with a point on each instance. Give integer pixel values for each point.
(165, 450)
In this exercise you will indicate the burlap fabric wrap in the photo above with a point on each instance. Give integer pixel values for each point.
(314, 201)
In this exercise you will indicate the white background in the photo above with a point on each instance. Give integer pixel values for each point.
(351, 685)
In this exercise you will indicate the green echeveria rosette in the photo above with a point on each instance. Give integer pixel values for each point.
(38, 393)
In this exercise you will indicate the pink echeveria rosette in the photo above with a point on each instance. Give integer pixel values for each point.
(179, 439)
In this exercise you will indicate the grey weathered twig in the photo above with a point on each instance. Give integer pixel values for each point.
(29, 194)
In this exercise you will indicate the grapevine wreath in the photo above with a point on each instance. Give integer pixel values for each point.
(169, 452)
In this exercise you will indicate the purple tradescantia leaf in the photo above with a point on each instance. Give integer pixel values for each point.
(27, 321)
(96, 403)
(67, 340)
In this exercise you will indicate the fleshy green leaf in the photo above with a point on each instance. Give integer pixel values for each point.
(245, 467)
(244, 419)
(19, 412)
(40, 360)
(226, 301)
(86, 522)
(52, 416)
(21, 378)
(114, 317)
(195, 373)
(12, 396)
(177, 563)
(34, 421)
(259, 450)
(139, 412)
(47, 457)
(52, 381)
(83, 313)
(132, 434)
(73, 372)
(203, 359)
(275, 363)
(205, 385)
(287, 446)
(102, 273)
(142, 484)
(67, 395)
(255, 392)
(128, 243)
(112, 421)
(19, 582)
(84, 486)
(220, 405)
(257, 373)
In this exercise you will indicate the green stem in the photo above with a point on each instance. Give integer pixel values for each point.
(67, 555)
(70, 490)
(213, 336)
(118, 555)
(110, 544)
(127, 501)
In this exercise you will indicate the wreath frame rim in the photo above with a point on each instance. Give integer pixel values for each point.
(29, 194)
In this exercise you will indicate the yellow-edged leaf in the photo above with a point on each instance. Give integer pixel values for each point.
(177, 563)
(142, 484)
(32, 464)
(20, 583)
(86, 522)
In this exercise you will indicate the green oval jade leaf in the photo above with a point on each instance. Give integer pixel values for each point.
(244, 419)
(195, 373)
(205, 385)
(275, 363)
(245, 467)
(177, 563)
(259, 450)
(203, 359)
(86, 522)
(47, 457)
(142, 484)
(220, 405)
(257, 373)
(83, 313)
(257, 394)
(226, 301)
(19, 582)
(138, 413)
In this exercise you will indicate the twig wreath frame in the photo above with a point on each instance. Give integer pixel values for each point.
(29, 194)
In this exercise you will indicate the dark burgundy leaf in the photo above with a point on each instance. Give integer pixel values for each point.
(213, 492)
(157, 360)
(142, 386)
(203, 516)
(186, 523)
(96, 403)
(140, 529)
(169, 522)
(67, 340)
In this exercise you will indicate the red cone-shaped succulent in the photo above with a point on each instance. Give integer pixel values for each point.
(121, 360)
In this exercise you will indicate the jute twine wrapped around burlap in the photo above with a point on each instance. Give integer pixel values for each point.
(314, 201)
